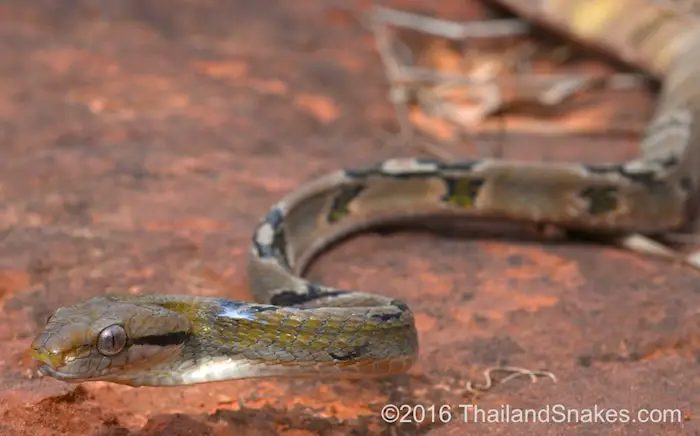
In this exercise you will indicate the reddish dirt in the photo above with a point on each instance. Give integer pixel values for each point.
(140, 148)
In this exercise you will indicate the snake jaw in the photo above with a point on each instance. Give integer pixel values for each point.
(48, 363)
(56, 350)
(46, 370)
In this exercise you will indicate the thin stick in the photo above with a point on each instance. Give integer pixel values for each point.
(451, 29)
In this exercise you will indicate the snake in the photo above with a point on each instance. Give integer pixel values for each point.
(297, 328)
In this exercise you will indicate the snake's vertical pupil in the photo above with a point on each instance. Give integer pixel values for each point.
(111, 340)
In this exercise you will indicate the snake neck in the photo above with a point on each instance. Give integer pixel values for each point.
(231, 339)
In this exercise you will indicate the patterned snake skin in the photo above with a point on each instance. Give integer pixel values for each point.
(303, 329)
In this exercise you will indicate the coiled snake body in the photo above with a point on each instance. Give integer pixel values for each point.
(301, 329)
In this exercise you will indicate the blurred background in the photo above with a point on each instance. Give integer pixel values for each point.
(141, 141)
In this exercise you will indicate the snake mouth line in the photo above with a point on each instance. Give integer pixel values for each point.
(46, 370)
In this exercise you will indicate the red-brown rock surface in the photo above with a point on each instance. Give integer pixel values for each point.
(138, 152)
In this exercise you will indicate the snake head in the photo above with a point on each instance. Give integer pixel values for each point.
(108, 338)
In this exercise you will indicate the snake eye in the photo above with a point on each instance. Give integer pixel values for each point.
(111, 340)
